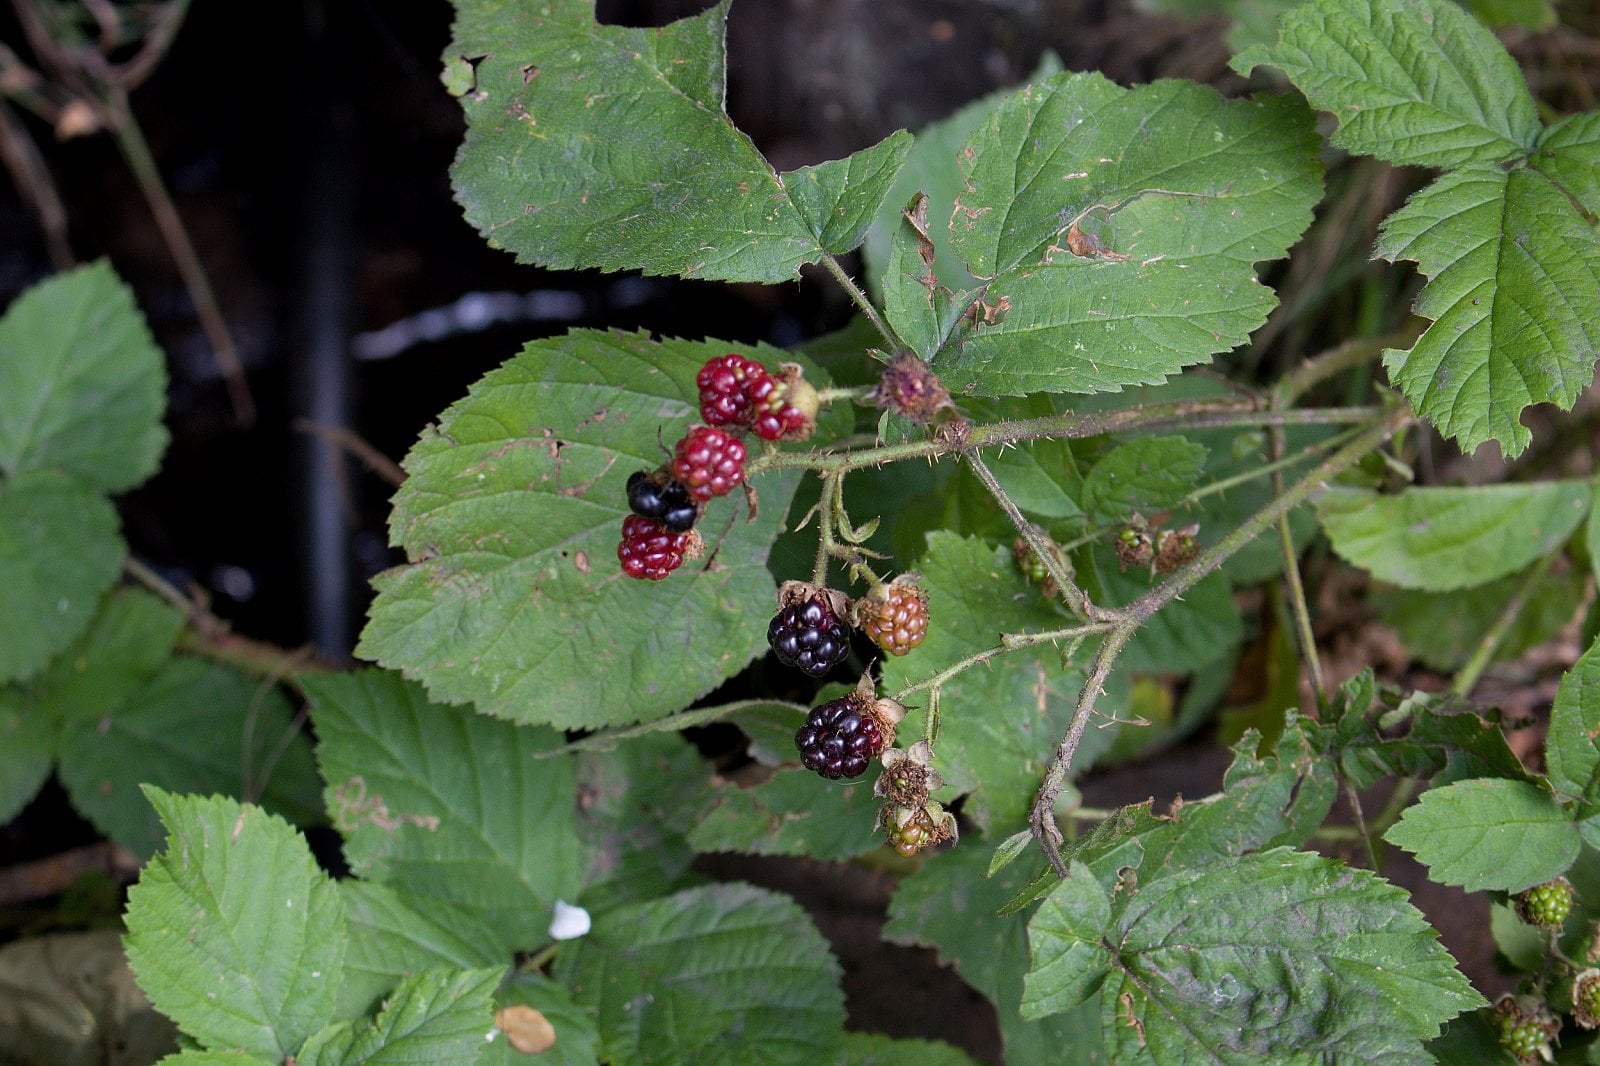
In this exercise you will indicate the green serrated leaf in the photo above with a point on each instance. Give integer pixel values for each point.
(790, 815)
(1422, 735)
(1569, 154)
(439, 1016)
(214, 1058)
(1065, 943)
(633, 815)
(873, 1049)
(1443, 629)
(511, 515)
(233, 931)
(60, 550)
(1220, 964)
(1571, 752)
(839, 199)
(1488, 834)
(1279, 799)
(713, 975)
(1439, 539)
(949, 905)
(191, 726)
(577, 1040)
(1514, 294)
(917, 304)
(394, 935)
(1146, 475)
(82, 385)
(1008, 850)
(931, 168)
(999, 727)
(28, 739)
(1096, 211)
(552, 92)
(446, 804)
(1411, 81)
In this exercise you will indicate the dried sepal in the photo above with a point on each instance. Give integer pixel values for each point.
(907, 777)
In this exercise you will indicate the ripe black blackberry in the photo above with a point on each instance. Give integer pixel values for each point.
(840, 738)
(807, 635)
(658, 497)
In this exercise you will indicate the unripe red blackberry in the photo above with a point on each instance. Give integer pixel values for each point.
(807, 633)
(649, 550)
(731, 390)
(789, 410)
(708, 462)
(659, 497)
(896, 620)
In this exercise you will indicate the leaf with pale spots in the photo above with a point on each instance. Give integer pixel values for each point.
(233, 931)
(1117, 231)
(511, 514)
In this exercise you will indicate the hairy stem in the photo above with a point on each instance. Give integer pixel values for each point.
(1077, 601)
(1070, 426)
(1008, 642)
(1294, 588)
(1135, 614)
(1483, 654)
(859, 298)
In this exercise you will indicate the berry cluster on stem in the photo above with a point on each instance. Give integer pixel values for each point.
(736, 394)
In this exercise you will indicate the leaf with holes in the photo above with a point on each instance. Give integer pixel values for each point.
(1411, 81)
(549, 94)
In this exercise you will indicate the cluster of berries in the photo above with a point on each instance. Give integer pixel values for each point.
(736, 393)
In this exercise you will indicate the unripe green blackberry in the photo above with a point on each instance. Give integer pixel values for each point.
(1546, 905)
(1586, 998)
(1525, 1027)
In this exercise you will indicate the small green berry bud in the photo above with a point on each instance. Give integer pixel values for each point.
(1586, 998)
